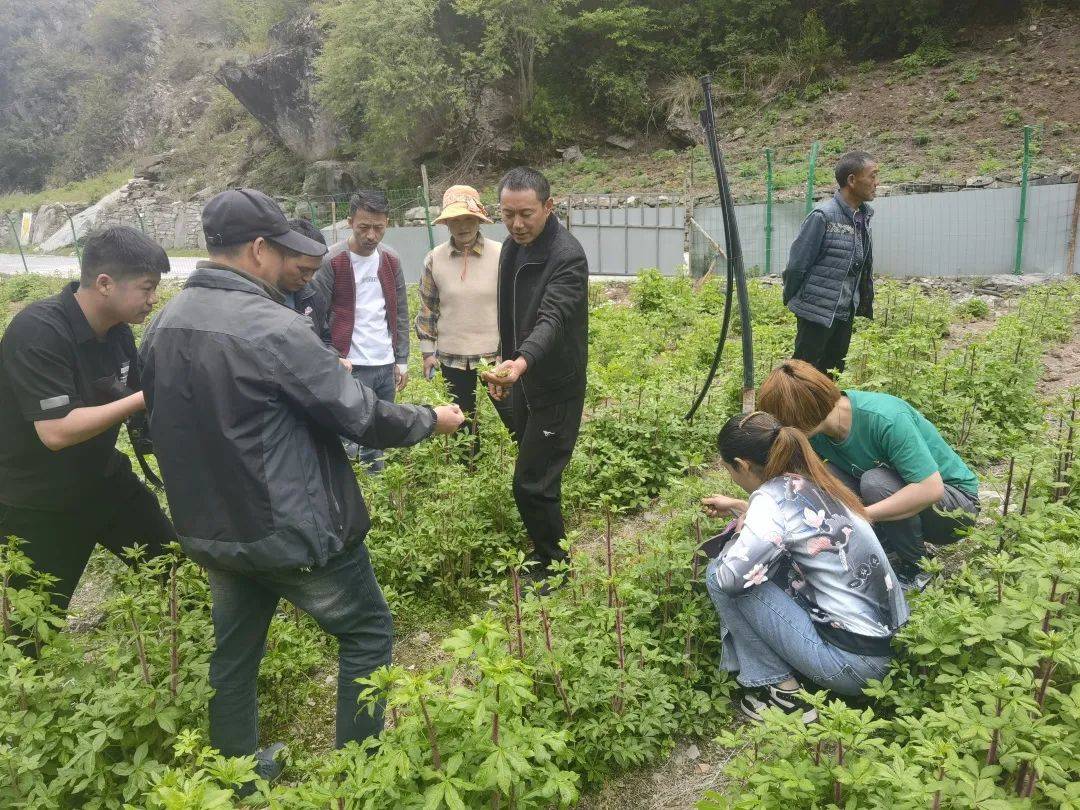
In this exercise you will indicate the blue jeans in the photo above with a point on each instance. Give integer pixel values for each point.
(341, 596)
(379, 379)
(768, 637)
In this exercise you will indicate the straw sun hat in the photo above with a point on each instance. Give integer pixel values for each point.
(462, 201)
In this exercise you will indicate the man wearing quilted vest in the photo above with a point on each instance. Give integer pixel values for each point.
(829, 277)
(458, 323)
(369, 311)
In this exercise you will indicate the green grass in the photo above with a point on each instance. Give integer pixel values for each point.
(91, 190)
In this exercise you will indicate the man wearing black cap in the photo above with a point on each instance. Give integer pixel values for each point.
(246, 405)
(69, 375)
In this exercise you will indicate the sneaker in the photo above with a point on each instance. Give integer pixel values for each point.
(913, 580)
(754, 701)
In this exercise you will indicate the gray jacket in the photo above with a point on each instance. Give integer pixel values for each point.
(821, 282)
(246, 405)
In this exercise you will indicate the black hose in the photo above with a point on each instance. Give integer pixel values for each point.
(736, 273)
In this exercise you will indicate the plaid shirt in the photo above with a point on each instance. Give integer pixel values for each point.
(427, 319)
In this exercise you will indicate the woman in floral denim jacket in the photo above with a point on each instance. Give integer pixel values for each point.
(834, 623)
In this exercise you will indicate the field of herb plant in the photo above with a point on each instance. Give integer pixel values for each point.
(535, 702)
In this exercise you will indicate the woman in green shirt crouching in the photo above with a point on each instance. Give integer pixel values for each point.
(886, 452)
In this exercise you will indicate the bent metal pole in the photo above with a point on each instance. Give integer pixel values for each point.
(736, 273)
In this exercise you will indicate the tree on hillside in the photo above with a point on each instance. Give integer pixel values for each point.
(387, 78)
(516, 33)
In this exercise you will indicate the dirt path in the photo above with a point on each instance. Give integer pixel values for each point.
(1062, 367)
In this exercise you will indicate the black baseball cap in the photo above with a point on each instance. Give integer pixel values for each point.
(243, 215)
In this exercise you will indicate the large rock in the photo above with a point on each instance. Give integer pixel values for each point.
(682, 128)
(277, 87)
(329, 178)
(492, 121)
(47, 221)
(84, 222)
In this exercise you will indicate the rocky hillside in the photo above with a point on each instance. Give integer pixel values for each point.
(218, 94)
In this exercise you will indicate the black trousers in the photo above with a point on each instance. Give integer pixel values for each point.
(462, 385)
(60, 543)
(823, 347)
(546, 437)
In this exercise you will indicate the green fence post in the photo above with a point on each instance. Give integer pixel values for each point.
(138, 213)
(74, 234)
(18, 242)
(810, 177)
(1022, 219)
(426, 191)
(768, 210)
(311, 210)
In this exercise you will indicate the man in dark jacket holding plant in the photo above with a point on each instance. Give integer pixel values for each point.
(830, 271)
(246, 405)
(543, 303)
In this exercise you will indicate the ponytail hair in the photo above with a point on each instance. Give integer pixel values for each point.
(798, 395)
(760, 439)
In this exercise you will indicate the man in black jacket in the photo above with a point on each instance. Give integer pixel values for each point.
(69, 376)
(544, 342)
(246, 405)
(298, 286)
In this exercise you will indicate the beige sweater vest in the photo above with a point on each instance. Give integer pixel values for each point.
(468, 314)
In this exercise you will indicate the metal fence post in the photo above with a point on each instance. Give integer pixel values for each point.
(138, 214)
(18, 242)
(1022, 219)
(427, 206)
(810, 177)
(311, 210)
(768, 210)
(74, 234)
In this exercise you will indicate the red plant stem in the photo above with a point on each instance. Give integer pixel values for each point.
(1021, 778)
(837, 789)
(687, 652)
(1053, 598)
(174, 618)
(546, 621)
(619, 632)
(509, 635)
(139, 647)
(436, 757)
(697, 545)
(1001, 584)
(516, 579)
(1008, 487)
(1032, 776)
(995, 737)
(1027, 488)
(5, 606)
(936, 805)
(945, 382)
(610, 558)
(817, 753)
(495, 720)
(394, 716)
(1048, 670)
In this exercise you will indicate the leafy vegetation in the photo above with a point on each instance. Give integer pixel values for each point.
(536, 698)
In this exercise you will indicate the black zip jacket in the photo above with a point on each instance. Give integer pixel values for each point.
(246, 405)
(544, 314)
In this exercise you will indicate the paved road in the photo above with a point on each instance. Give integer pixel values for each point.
(182, 266)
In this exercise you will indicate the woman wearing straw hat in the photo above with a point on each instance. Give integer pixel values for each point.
(458, 321)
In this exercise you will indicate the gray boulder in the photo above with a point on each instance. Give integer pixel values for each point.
(329, 177)
(276, 88)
